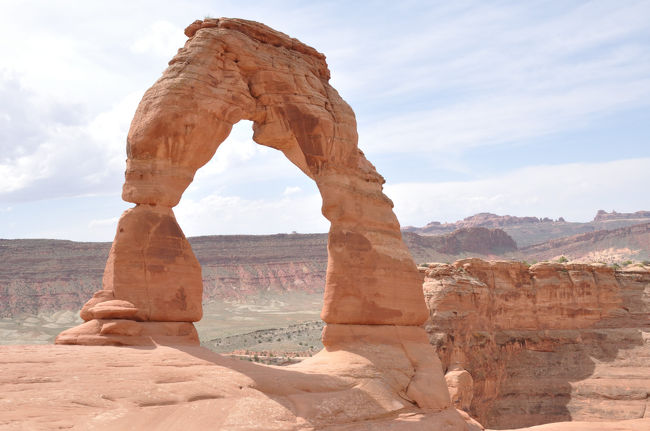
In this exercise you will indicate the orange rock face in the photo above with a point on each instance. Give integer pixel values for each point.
(545, 343)
(230, 70)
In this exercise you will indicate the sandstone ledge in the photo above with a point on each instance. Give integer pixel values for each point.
(191, 388)
(169, 388)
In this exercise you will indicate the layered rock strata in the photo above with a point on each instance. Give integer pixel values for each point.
(542, 343)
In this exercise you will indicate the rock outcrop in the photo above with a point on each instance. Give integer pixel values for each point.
(230, 70)
(460, 243)
(603, 215)
(545, 343)
(351, 388)
(478, 240)
(486, 220)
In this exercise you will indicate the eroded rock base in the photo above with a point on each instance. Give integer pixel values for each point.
(123, 332)
(192, 388)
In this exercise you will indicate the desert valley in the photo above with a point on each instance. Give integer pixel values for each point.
(567, 299)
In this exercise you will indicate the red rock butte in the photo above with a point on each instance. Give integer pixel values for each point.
(231, 70)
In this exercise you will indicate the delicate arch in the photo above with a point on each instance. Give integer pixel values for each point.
(229, 70)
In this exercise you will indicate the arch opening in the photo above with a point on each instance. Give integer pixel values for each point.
(249, 189)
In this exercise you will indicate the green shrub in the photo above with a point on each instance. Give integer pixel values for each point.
(563, 259)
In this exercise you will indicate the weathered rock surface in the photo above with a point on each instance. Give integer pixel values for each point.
(234, 69)
(230, 70)
(351, 386)
(544, 343)
(624, 425)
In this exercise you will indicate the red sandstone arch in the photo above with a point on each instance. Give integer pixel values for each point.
(230, 70)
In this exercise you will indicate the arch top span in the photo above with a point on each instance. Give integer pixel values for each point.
(227, 71)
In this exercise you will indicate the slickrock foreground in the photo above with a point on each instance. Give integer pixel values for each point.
(527, 345)
(191, 388)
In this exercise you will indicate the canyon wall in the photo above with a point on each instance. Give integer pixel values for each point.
(542, 343)
(46, 276)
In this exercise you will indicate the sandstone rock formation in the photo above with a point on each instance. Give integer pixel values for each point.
(230, 70)
(545, 343)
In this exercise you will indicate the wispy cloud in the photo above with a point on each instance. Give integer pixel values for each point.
(495, 74)
(428, 81)
(110, 222)
(223, 214)
(56, 159)
(291, 190)
(162, 39)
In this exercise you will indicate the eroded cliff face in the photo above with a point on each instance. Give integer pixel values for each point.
(542, 343)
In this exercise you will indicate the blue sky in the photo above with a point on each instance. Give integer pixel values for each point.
(521, 108)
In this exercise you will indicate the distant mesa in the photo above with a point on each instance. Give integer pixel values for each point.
(603, 215)
(477, 240)
(488, 220)
(527, 231)
(493, 221)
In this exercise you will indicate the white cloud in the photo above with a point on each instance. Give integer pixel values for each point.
(102, 223)
(226, 215)
(238, 147)
(574, 191)
(499, 119)
(162, 39)
(58, 159)
(291, 190)
(491, 74)
(427, 79)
